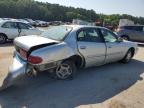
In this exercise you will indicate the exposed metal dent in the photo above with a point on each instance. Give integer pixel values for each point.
(53, 53)
(40, 46)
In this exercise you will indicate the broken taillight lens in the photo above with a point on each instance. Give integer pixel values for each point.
(31, 59)
(34, 59)
(23, 53)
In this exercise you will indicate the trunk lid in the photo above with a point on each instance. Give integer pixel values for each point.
(27, 42)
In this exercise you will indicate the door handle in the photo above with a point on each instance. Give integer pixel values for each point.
(82, 47)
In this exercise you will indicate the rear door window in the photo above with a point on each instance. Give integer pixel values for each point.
(24, 26)
(89, 35)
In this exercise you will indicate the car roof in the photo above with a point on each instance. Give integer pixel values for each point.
(12, 20)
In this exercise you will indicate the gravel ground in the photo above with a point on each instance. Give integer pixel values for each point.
(113, 85)
(6, 52)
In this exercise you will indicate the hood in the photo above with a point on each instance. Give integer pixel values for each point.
(27, 42)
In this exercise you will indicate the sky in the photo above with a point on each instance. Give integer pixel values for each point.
(131, 7)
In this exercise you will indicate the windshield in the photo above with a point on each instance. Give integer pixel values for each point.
(57, 33)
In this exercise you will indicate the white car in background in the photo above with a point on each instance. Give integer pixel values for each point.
(23, 20)
(41, 23)
(10, 29)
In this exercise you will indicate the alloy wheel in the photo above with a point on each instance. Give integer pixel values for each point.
(63, 71)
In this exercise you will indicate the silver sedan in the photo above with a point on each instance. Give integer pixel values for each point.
(63, 49)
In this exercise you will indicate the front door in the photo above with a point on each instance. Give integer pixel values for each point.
(115, 49)
(25, 29)
(91, 46)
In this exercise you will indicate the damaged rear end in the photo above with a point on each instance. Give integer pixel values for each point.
(23, 62)
(16, 71)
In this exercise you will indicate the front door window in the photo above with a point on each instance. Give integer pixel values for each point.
(108, 36)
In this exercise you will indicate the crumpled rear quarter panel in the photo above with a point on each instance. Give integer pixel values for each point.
(54, 52)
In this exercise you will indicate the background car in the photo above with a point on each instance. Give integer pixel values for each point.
(31, 22)
(23, 20)
(10, 29)
(41, 23)
(132, 33)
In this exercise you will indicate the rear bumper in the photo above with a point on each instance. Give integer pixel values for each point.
(20, 68)
(17, 70)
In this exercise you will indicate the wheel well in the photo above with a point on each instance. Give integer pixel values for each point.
(133, 51)
(4, 35)
(78, 60)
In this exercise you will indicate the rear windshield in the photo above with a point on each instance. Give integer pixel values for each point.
(57, 33)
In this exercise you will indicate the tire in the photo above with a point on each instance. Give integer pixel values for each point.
(65, 70)
(125, 38)
(127, 57)
(2, 39)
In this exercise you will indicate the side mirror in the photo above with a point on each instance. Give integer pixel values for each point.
(120, 39)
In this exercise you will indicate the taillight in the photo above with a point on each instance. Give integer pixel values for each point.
(34, 59)
(23, 53)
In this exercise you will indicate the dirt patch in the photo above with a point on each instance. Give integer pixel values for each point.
(116, 104)
(5, 55)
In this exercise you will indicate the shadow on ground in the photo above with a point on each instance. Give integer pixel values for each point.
(91, 86)
(9, 43)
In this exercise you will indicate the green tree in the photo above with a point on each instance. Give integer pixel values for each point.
(54, 12)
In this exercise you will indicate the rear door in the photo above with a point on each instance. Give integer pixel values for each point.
(10, 29)
(91, 46)
(25, 29)
(115, 49)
